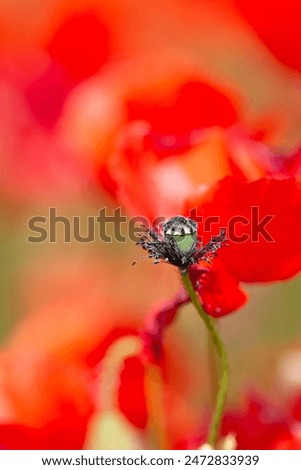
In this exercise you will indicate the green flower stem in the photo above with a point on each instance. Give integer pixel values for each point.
(218, 343)
(214, 368)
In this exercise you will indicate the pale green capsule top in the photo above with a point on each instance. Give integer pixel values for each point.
(185, 242)
(183, 230)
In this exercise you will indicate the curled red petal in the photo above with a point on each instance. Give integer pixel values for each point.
(219, 292)
(157, 320)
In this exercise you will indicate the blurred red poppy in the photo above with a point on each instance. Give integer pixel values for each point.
(258, 424)
(166, 144)
(178, 131)
(50, 364)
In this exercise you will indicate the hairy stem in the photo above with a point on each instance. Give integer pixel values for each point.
(221, 351)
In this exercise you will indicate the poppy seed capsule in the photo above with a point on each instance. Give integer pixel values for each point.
(182, 230)
(176, 242)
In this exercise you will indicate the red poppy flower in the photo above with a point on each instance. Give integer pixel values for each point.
(261, 219)
(50, 364)
(166, 144)
(260, 426)
(262, 226)
(136, 121)
(159, 150)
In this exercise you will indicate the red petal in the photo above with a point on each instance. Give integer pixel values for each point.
(256, 259)
(219, 291)
(131, 394)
